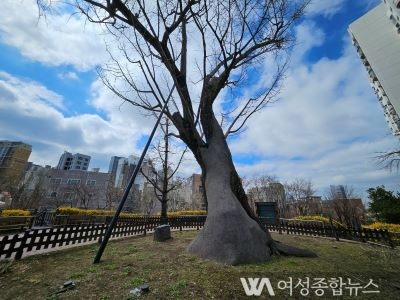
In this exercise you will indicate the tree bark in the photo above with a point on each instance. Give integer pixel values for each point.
(230, 235)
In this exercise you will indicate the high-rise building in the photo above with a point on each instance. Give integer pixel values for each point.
(13, 159)
(69, 161)
(122, 169)
(376, 36)
(112, 168)
(338, 192)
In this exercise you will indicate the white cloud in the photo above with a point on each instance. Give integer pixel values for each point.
(68, 76)
(327, 127)
(308, 36)
(54, 40)
(34, 114)
(325, 8)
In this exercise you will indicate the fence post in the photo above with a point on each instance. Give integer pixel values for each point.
(334, 229)
(388, 238)
(20, 251)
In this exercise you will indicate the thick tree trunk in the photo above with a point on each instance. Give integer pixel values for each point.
(232, 234)
(229, 235)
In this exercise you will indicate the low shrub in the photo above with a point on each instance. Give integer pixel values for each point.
(318, 219)
(102, 212)
(92, 212)
(387, 226)
(187, 213)
(14, 212)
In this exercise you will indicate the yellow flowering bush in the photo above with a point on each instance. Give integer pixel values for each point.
(388, 226)
(92, 212)
(102, 212)
(325, 220)
(14, 212)
(186, 213)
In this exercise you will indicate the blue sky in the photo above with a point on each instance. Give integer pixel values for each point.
(327, 126)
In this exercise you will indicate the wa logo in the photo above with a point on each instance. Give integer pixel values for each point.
(255, 286)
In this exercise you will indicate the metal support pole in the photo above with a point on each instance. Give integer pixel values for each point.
(127, 189)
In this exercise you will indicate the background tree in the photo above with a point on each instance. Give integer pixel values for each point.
(85, 195)
(299, 193)
(113, 194)
(266, 188)
(347, 206)
(26, 192)
(188, 52)
(148, 199)
(389, 160)
(176, 200)
(163, 183)
(384, 204)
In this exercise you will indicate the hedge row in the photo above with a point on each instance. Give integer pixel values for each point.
(97, 212)
(325, 220)
(14, 212)
(389, 227)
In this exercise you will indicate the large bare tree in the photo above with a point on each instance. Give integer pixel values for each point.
(195, 54)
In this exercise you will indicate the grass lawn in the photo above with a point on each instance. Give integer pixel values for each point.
(172, 273)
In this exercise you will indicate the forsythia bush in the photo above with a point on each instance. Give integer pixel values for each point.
(388, 226)
(14, 212)
(98, 212)
(325, 220)
(92, 212)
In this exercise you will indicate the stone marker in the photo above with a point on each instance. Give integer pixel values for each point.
(162, 233)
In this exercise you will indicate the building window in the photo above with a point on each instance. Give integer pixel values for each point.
(73, 181)
(55, 181)
(91, 182)
(78, 167)
(69, 196)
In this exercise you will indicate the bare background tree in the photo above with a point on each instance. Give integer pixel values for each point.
(163, 182)
(26, 192)
(389, 160)
(194, 53)
(347, 206)
(113, 194)
(258, 185)
(299, 193)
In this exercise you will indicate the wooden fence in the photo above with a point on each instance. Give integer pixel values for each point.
(70, 231)
(362, 235)
(15, 246)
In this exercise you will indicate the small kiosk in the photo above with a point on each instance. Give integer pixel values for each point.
(266, 212)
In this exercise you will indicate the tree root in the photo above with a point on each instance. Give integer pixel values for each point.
(282, 249)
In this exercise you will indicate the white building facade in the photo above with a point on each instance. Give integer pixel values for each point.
(69, 161)
(376, 37)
